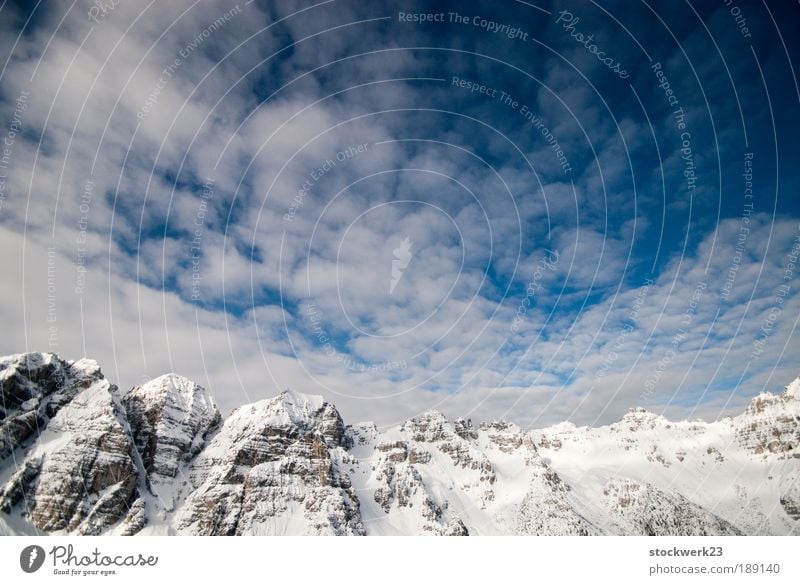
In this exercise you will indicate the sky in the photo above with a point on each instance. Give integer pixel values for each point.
(530, 211)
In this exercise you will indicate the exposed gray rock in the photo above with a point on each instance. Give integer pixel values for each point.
(548, 508)
(79, 476)
(771, 424)
(645, 510)
(170, 418)
(33, 388)
(270, 463)
(790, 497)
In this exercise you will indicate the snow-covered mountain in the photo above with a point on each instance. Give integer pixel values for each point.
(77, 456)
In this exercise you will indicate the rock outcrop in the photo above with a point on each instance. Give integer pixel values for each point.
(645, 510)
(274, 467)
(771, 424)
(77, 475)
(33, 388)
(169, 418)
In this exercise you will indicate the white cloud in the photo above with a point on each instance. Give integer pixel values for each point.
(443, 337)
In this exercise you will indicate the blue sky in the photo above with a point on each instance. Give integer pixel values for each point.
(600, 202)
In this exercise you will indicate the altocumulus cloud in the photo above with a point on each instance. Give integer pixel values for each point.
(219, 190)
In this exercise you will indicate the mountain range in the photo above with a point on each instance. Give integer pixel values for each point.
(80, 456)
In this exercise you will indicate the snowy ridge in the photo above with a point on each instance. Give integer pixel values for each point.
(79, 457)
(743, 469)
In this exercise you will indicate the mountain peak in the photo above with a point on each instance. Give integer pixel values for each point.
(297, 400)
(793, 389)
(640, 418)
(177, 387)
(431, 416)
(85, 365)
(639, 413)
(289, 408)
(31, 357)
(170, 417)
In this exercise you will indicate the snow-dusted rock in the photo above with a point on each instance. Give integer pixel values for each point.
(416, 467)
(790, 495)
(548, 509)
(640, 508)
(169, 418)
(274, 467)
(33, 388)
(736, 469)
(771, 424)
(78, 475)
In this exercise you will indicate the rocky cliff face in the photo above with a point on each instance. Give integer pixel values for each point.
(79, 457)
(76, 474)
(640, 508)
(771, 424)
(273, 468)
(169, 419)
(33, 388)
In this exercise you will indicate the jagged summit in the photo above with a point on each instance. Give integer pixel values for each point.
(31, 360)
(160, 459)
(793, 389)
(301, 404)
(288, 408)
(431, 415)
(640, 418)
(172, 382)
(636, 411)
(178, 391)
(170, 418)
